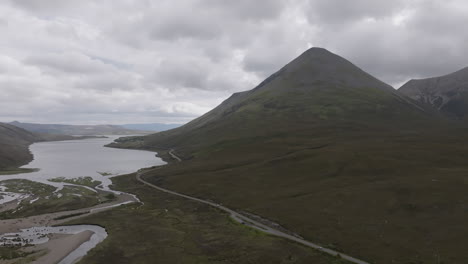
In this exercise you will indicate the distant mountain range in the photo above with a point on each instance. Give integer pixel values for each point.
(157, 127)
(336, 156)
(83, 130)
(448, 94)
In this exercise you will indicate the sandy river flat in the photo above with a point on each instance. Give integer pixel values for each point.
(59, 246)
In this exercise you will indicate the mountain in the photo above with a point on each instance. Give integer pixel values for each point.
(448, 93)
(317, 90)
(155, 127)
(331, 153)
(84, 130)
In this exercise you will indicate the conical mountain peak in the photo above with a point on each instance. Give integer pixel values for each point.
(318, 66)
(318, 85)
(318, 51)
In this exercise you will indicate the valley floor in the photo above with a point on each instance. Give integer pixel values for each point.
(40, 208)
(171, 229)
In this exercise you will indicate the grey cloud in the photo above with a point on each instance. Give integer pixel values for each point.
(436, 18)
(41, 5)
(116, 64)
(428, 42)
(264, 64)
(185, 26)
(246, 9)
(105, 83)
(121, 60)
(73, 63)
(272, 49)
(185, 74)
(49, 7)
(344, 11)
(193, 74)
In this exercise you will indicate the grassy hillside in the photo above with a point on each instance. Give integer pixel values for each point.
(167, 229)
(156, 127)
(14, 144)
(317, 92)
(331, 153)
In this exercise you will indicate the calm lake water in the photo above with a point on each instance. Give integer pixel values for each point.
(80, 158)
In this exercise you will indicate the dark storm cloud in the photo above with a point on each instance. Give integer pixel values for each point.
(406, 40)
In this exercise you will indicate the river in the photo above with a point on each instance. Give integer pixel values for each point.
(72, 159)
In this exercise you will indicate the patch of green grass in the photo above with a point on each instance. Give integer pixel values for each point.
(11, 253)
(85, 181)
(175, 230)
(70, 215)
(26, 186)
(48, 200)
(110, 196)
(105, 173)
(17, 171)
(365, 193)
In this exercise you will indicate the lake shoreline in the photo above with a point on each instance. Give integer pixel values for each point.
(71, 161)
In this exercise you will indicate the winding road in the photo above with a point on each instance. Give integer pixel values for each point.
(251, 222)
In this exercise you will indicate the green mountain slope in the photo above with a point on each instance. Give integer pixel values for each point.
(318, 90)
(448, 94)
(333, 154)
(155, 127)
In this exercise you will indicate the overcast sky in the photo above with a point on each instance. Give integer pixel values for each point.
(140, 61)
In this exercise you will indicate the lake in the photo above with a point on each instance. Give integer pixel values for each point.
(81, 158)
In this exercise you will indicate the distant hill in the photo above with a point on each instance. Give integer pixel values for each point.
(14, 144)
(448, 93)
(84, 130)
(151, 127)
(16, 137)
(15, 141)
(331, 153)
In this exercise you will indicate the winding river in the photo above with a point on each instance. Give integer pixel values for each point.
(72, 159)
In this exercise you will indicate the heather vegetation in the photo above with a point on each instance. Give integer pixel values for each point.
(334, 155)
